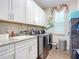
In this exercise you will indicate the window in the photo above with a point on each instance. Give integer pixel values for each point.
(59, 16)
(59, 27)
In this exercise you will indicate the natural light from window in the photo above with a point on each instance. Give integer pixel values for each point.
(59, 25)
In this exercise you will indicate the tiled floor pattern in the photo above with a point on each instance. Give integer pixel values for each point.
(57, 54)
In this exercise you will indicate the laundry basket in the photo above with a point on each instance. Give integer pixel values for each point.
(62, 45)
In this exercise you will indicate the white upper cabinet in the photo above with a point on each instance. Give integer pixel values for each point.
(40, 17)
(22, 11)
(18, 10)
(4, 9)
(44, 19)
(37, 14)
(22, 53)
(34, 14)
(29, 12)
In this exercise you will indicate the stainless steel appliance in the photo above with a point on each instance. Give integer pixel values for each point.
(44, 45)
(40, 47)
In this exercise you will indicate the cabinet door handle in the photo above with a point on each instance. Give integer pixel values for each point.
(11, 16)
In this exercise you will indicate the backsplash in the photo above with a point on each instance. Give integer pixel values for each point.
(9, 27)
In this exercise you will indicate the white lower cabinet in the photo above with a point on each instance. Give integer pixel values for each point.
(7, 52)
(22, 53)
(29, 52)
(20, 50)
(33, 52)
(26, 50)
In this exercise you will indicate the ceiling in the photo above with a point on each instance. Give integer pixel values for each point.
(50, 3)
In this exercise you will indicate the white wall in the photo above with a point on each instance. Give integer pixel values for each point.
(50, 30)
(73, 5)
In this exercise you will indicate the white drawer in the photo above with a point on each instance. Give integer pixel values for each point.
(7, 48)
(24, 43)
(8, 55)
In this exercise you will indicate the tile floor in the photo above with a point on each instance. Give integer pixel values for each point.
(57, 54)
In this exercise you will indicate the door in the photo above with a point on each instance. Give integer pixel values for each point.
(9, 55)
(22, 53)
(4, 9)
(18, 11)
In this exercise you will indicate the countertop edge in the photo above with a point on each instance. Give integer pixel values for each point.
(13, 42)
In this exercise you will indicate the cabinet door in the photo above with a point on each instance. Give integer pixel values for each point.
(37, 15)
(4, 9)
(22, 53)
(33, 51)
(9, 55)
(40, 17)
(29, 12)
(18, 10)
(43, 17)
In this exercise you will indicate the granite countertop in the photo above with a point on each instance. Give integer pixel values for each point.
(16, 39)
(12, 40)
